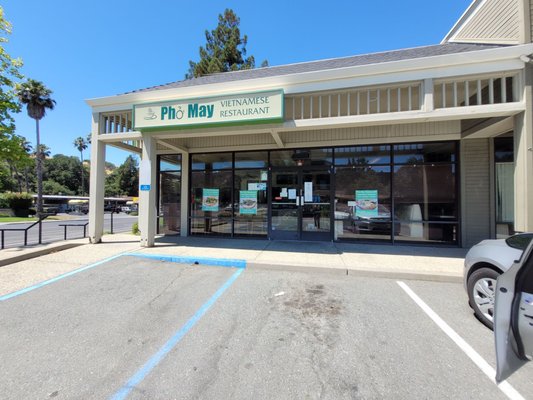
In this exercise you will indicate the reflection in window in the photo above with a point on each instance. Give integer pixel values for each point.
(504, 171)
(352, 222)
(169, 213)
(362, 155)
(211, 161)
(170, 202)
(425, 193)
(211, 209)
(416, 153)
(251, 159)
(251, 205)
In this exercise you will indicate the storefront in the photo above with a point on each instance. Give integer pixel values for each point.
(430, 145)
(405, 192)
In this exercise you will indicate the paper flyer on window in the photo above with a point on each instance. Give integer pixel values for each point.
(366, 203)
(248, 202)
(210, 198)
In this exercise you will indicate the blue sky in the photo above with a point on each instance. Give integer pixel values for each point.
(88, 49)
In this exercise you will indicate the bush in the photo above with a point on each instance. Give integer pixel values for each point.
(18, 201)
(3, 201)
(135, 228)
(134, 213)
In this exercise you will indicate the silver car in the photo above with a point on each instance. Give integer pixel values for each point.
(484, 263)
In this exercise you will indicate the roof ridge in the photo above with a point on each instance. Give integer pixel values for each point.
(205, 79)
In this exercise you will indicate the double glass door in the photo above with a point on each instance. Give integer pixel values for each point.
(300, 204)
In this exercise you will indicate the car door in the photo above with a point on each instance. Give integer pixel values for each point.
(513, 318)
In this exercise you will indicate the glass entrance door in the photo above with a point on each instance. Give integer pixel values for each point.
(300, 204)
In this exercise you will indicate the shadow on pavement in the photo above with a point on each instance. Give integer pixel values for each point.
(312, 247)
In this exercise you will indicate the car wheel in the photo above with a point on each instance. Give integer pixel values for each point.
(481, 294)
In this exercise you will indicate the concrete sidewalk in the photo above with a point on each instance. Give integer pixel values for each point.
(22, 267)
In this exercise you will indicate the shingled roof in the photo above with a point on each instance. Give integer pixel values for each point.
(329, 64)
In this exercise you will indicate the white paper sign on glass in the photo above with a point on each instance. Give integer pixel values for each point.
(308, 192)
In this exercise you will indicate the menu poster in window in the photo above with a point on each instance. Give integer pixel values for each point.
(210, 199)
(248, 202)
(366, 203)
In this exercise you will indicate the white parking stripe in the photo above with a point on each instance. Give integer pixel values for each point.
(483, 365)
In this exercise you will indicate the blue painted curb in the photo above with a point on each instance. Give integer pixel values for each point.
(218, 262)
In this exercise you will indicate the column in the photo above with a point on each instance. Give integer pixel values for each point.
(147, 189)
(96, 183)
(184, 194)
(523, 150)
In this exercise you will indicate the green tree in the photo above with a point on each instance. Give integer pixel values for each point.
(81, 145)
(9, 74)
(37, 99)
(225, 49)
(63, 170)
(128, 177)
(52, 187)
(17, 157)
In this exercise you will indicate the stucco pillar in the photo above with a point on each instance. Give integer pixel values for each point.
(96, 183)
(147, 189)
(184, 194)
(523, 150)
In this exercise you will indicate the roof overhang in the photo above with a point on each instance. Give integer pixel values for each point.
(480, 61)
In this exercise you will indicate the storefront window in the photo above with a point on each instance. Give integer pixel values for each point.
(211, 161)
(362, 155)
(169, 215)
(363, 203)
(415, 153)
(424, 193)
(402, 192)
(301, 157)
(252, 159)
(251, 204)
(211, 202)
(504, 185)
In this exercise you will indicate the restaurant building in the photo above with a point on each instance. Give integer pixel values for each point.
(426, 145)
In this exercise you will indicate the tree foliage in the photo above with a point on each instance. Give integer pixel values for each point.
(225, 49)
(65, 171)
(124, 180)
(9, 74)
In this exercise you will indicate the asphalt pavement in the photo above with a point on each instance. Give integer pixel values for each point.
(141, 328)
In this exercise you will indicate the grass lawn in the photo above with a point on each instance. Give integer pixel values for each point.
(17, 219)
(22, 219)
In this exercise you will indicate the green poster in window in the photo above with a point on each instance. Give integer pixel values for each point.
(366, 203)
(210, 198)
(248, 202)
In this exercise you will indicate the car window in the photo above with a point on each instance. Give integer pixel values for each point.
(519, 241)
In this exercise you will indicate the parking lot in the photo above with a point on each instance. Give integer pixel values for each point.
(142, 328)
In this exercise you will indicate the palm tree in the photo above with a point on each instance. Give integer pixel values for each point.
(26, 146)
(37, 99)
(81, 145)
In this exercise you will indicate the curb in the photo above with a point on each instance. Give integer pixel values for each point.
(37, 253)
(419, 276)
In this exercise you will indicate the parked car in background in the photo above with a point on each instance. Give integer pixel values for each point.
(484, 263)
(126, 209)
